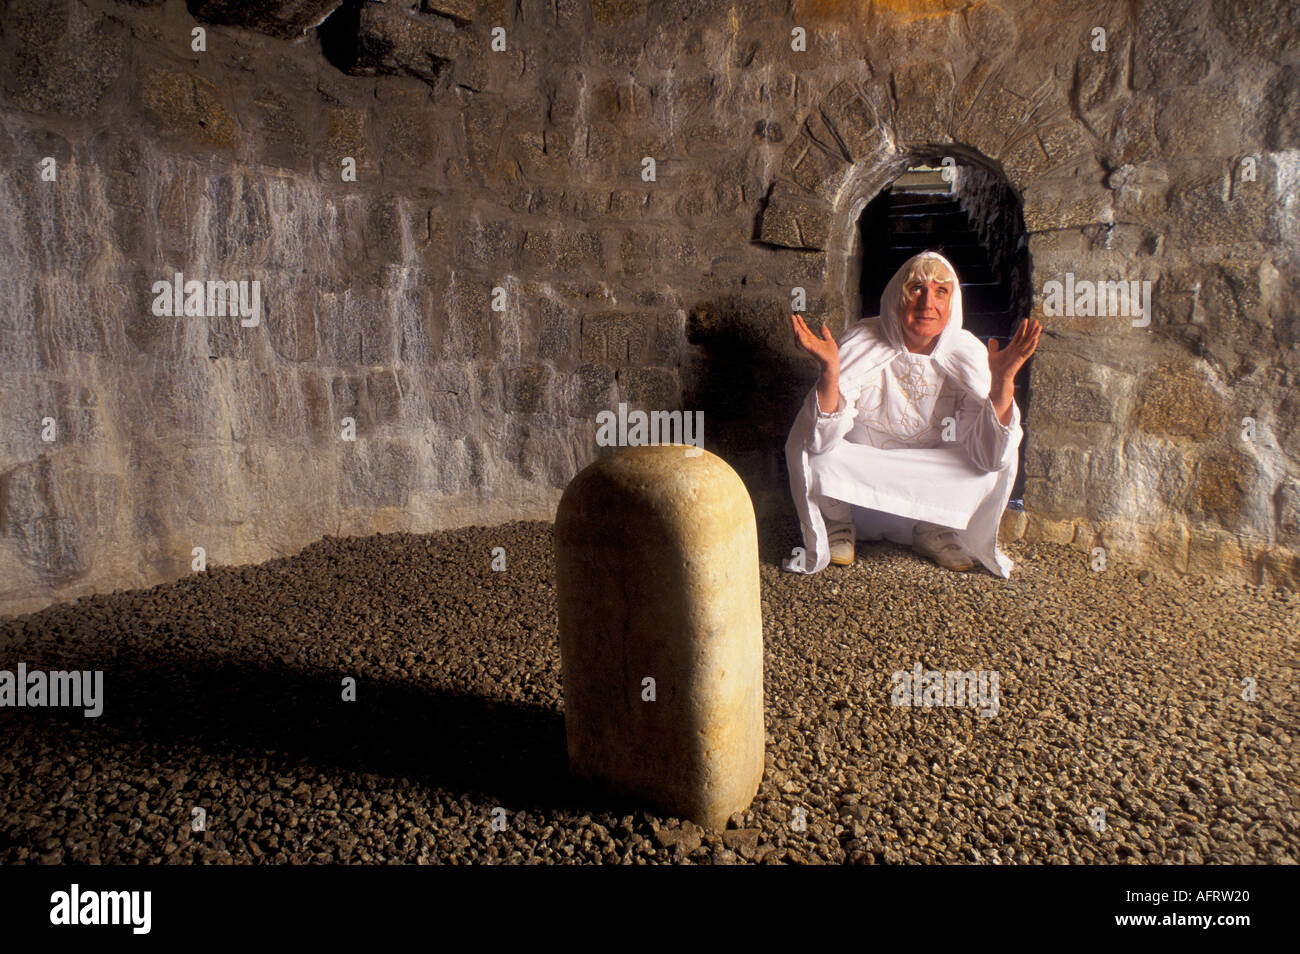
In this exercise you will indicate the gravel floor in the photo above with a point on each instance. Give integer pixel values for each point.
(223, 692)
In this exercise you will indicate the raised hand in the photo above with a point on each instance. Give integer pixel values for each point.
(827, 352)
(822, 347)
(1005, 362)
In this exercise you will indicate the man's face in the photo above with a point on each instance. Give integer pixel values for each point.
(927, 314)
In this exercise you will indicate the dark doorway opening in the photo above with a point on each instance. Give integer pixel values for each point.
(972, 217)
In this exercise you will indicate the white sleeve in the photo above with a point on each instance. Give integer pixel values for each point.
(989, 444)
(829, 429)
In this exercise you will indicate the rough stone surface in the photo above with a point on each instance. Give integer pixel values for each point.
(280, 18)
(1171, 156)
(391, 40)
(661, 633)
(59, 56)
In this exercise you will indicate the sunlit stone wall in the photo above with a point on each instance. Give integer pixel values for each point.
(463, 256)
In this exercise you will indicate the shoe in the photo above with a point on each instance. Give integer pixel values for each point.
(940, 545)
(842, 536)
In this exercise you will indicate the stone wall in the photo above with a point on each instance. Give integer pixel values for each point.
(515, 178)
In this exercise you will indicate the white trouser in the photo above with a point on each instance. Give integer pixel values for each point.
(938, 485)
(870, 524)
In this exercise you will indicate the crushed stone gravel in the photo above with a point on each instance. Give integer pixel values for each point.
(1125, 729)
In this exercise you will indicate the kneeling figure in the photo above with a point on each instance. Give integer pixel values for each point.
(911, 433)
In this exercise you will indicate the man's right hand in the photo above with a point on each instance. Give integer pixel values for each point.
(827, 352)
(822, 347)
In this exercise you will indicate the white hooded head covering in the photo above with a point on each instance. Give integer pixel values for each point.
(865, 346)
(891, 312)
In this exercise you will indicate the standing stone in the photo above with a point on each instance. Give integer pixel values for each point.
(656, 558)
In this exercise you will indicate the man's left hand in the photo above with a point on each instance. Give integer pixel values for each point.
(1005, 362)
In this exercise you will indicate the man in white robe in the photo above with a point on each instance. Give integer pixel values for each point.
(920, 441)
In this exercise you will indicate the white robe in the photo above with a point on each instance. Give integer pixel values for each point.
(882, 449)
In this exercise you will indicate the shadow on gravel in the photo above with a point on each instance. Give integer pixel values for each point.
(778, 535)
(508, 752)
